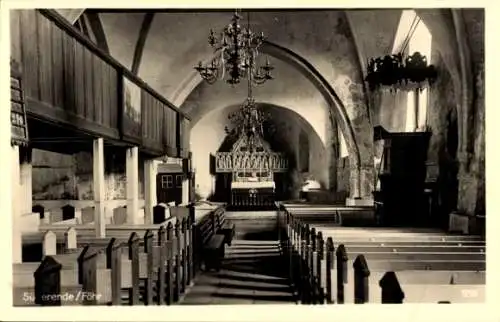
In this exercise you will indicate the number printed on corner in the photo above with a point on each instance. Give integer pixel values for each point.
(469, 293)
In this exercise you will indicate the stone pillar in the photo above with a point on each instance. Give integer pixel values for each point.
(361, 185)
(367, 177)
(99, 184)
(132, 165)
(16, 206)
(354, 183)
(149, 190)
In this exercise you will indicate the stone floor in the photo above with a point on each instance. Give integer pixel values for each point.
(252, 273)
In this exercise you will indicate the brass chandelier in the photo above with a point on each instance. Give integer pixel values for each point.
(236, 56)
(236, 51)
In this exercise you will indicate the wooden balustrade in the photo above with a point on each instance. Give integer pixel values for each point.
(70, 81)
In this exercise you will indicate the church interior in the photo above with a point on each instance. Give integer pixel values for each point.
(312, 156)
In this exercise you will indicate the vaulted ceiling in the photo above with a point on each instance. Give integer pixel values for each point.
(331, 46)
(162, 47)
(320, 56)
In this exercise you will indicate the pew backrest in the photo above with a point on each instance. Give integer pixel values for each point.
(120, 215)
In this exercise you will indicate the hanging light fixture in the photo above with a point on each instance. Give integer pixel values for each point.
(400, 71)
(236, 52)
(249, 120)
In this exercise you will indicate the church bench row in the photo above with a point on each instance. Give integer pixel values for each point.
(317, 281)
(69, 214)
(33, 242)
(401, 246)
(328, 222)
(340, 215)
(66, 239)
(411, 247)
(312, 271)
(321, 206)
(400, 237)
(212, 235)
(114, 230)
(422, 293)
(97, 270)
(387, 232)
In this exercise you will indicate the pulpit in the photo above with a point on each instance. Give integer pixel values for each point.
(401, 174)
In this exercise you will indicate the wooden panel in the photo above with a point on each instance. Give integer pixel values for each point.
(170, 131)
(132, 111)
(80, 80)
(29, 52)
(57, 66)
(37, 108)
(15, 35)
(156, 112)
(160, 122)
(113, 97)
(152, 119)
(87, 91)
(69, 72)
(97, 89)
(45, 63)
(184, 133)
(146, 106)
(106, 107)
(174, 130)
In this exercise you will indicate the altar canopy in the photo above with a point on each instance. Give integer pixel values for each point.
(258, 160)
(252, 165)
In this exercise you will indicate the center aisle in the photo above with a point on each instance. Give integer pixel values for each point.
(253, 272)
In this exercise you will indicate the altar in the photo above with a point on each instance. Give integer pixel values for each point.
(253, 194)
(252, 169)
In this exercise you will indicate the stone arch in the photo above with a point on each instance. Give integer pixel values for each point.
(203, 148)
(337, 108)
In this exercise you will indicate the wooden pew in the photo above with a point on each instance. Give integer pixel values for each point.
(312, 272)
(121, 272)
(226, 227)
(31, 279)
(66, 214)
(209, 243)
(332, 214)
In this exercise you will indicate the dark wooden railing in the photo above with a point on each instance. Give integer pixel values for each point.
(70, 81)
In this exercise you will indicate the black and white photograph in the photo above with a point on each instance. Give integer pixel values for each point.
(297, 156)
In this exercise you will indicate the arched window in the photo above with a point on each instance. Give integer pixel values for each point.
(420, 39)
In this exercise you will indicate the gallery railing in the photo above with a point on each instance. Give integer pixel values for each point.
(69, 80)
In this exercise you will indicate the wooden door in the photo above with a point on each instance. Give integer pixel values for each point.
(169, 187)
